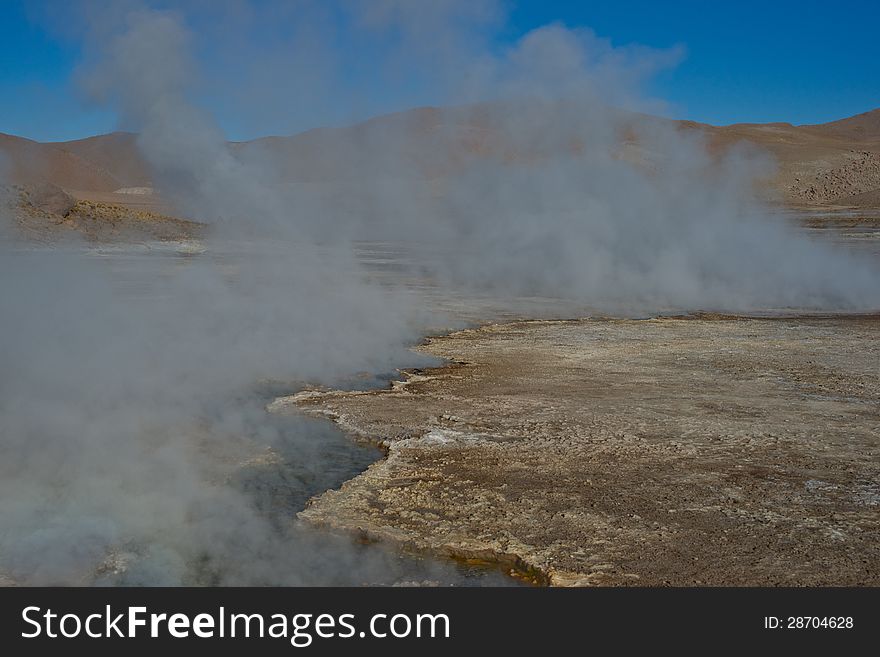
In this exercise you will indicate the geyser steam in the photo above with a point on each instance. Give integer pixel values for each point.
(118, 427)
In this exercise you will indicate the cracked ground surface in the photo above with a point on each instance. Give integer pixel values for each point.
(706, 451)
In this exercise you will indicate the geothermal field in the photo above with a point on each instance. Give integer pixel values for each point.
(533, 336)
(699, 450)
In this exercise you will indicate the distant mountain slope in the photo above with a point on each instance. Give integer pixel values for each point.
(116, 152)
(425, 142)
(23, 161)
(861, 127)
(834, 163)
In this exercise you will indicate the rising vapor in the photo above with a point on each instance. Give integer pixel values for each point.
(121, 434)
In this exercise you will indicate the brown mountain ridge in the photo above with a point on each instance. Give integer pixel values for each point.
(836, 163)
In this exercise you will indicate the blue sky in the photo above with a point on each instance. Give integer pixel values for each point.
(803, 62)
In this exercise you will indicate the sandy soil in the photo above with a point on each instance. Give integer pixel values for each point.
(712, 451)
(45, 212)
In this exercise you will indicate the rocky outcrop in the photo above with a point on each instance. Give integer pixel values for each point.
(857, 176)
(47, 212)
(46, 197)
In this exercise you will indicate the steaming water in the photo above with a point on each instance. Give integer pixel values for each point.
(99, 384)
(296, 458)
(858, 230)
(285, 460)
(281, 488)
(409, 264)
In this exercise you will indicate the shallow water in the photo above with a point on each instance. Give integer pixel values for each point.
(279, 463)
(282, 488)
(289, 459)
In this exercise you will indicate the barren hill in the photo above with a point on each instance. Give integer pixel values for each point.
(116, 152)
(865, 127)
(836, 163)
(24, 162)
(425, 142)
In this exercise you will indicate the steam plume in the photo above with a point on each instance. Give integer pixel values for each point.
(122, 431)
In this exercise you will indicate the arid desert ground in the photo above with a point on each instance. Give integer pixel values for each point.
(566, 446)
(686, 451)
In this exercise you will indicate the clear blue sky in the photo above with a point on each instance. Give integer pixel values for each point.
(803, 62)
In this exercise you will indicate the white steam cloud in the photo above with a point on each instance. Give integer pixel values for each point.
(122, 429)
